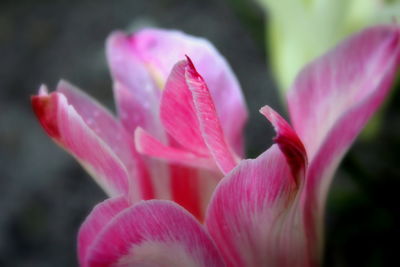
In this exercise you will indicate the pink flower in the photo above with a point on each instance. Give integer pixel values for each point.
(267, 211)
(189, 141)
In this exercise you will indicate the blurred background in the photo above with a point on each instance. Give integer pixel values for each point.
(45, 195)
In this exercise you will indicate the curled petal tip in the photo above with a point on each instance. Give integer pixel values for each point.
(288, 141)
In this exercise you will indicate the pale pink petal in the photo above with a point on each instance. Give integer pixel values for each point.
(288, 142)
(67, 128)
(98, 219)
(153, 233)
(161, 49)
(136, 92)
(254, 215)
(148, 145)
(332, 100)
(208, 119)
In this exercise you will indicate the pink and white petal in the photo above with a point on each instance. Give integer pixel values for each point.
(254, 214)
(209, 122)
(136, 92)
(100, 121)
(161, 49)
(328, 88)
(326, 161)
(153, 233)
(332, 100)
(178, 113)
(98, 219)
(148, 145)
(68, 129)
(289, 143)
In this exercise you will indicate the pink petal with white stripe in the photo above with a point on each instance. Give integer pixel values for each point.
(161, 49)
(332, 100)
(189, 116)
(95, 223)
(178, 113)
(152, 233)
(209, 122)
(327, 89)
(67, 128)
(254, 214)
(104, 125)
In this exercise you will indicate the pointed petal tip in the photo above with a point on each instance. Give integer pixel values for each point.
(191, 69)
(43, 90)
(115, 37)
(63, 83)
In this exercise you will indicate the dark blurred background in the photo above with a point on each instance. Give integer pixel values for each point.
(45, 194)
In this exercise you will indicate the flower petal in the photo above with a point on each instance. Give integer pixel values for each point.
(132, 115)
(98, 219)
(189, 116)
(253, 216)
(332, 100)
(178, 113)
(136, 93)
(67, 128)
(152, 233)
(109, 131)
(289, 143)
(193, 179)
(329, 88)
(208, 120)
(161, 49)
(104, 125)
(148, 145)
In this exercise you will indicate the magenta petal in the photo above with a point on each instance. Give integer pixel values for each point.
(254, 216)
(98, 219)
(67, 128)
(178, 113)
(152, 46)
(148, 145)
(208, 119)
(152, 233)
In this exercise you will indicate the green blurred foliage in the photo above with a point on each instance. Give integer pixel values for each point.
(299, 31)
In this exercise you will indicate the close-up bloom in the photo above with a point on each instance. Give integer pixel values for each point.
(181, 192)
(187, 137)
